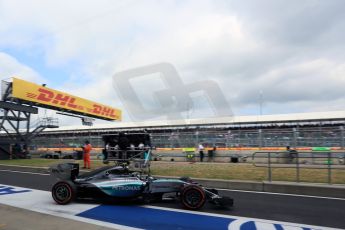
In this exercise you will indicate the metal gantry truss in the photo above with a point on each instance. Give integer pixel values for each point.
(15, 120)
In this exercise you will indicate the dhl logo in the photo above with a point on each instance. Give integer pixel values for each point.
(59, 99)
(103, 110)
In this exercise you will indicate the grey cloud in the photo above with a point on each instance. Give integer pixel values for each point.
(294, 22)
(295, 85)
(277, 49)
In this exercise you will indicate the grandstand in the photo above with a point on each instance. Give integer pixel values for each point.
(301, 130)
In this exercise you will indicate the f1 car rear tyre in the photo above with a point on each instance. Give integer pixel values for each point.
(63, 192)
(193, 197)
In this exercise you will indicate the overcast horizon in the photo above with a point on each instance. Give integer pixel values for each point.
(264, 57)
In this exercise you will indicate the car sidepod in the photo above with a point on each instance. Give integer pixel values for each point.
(166, 185)
(121, 187)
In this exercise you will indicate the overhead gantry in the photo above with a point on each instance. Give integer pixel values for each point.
(20, 99)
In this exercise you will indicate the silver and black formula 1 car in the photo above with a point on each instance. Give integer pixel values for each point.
(128, 180)
(120, 183)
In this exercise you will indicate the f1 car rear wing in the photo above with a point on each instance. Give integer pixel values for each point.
(65, 171)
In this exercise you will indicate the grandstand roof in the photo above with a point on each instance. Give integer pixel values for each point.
(232, 120)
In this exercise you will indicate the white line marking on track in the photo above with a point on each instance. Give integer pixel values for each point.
(24, 166)
(33, 173)
(282, 194)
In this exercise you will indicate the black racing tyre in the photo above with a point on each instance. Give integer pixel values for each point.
(193, 197)
(63, 192)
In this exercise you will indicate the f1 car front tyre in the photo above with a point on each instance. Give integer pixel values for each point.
(193, 197)
(63, 192)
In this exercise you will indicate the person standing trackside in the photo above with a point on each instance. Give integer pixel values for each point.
(87, 149)
(292, 153)
(201, 152)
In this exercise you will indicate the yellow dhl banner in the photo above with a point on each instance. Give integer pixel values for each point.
(32, 92)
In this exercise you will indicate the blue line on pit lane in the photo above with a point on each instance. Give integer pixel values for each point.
(5, 190)
(149, 218)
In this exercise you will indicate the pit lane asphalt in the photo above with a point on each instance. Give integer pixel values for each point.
(287, 208)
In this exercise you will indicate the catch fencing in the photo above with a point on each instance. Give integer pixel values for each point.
(323, 160)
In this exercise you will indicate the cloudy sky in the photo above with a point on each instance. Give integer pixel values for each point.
(288, 56)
